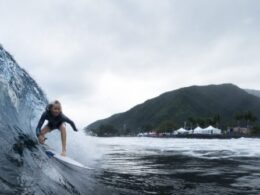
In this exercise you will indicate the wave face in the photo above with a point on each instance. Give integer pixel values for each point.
(25, 169)
(21, 98)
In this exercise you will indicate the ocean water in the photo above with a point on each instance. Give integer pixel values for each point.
(169, 166)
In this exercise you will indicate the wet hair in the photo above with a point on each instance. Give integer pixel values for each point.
(51, 104)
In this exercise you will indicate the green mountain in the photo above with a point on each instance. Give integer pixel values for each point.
(172, 109)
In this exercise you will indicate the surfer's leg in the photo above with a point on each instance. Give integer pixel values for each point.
(63, 139)
(41, 137)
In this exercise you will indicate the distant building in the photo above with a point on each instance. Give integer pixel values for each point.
(240, 130)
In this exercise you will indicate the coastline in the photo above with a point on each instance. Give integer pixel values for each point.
(205, 136)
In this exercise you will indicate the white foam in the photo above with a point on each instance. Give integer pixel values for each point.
(89, 150)
(80, 147)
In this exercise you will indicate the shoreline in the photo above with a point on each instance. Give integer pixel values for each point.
(205, 136)
(196, 136)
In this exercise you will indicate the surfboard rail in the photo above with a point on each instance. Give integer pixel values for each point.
(51, 153)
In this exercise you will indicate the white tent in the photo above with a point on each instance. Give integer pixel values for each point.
(208, 130)
(212, 130)
(198, 130)
(181, 131)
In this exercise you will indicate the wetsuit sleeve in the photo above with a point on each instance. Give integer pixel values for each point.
(68, 120)
(40, 123)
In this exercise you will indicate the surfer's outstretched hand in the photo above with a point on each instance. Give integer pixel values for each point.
(41, 139)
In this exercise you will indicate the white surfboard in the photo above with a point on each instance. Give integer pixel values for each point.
(53, 154)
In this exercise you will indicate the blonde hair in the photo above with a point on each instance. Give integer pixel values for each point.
(51, 104)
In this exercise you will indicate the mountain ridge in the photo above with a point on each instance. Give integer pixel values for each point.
(178, 105)
(253, 92)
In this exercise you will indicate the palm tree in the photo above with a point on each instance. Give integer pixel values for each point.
(192, 122)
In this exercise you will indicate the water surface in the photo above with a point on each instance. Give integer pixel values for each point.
(178, 166)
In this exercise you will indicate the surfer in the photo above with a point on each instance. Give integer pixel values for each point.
(56, 120)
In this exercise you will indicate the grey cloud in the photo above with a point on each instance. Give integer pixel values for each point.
(71, 46)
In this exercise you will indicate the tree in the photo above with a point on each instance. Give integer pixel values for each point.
(201, 122)
(166, 126)
(249, 118)
(191, 122)
(106, 130)
(254, 119)
(239, 116)
(217, 120)
(147, 127)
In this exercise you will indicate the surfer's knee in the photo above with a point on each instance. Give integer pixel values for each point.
(62, 128)
(44, 130)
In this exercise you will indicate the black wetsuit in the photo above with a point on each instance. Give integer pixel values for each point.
(54, 122)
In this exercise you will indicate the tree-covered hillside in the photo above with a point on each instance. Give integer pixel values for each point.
(204, 105)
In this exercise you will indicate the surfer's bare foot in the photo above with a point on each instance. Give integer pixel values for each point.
(63, 153)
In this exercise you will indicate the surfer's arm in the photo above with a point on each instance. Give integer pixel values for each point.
(40, 123)
(72, 124)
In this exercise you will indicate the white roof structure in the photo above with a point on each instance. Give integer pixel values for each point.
(213, 130)
(181, 131)
(208, 130)
(198, 130)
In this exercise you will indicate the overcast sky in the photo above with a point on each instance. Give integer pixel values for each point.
(104, 57)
